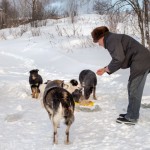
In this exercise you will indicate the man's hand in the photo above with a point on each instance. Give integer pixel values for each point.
(102, 71)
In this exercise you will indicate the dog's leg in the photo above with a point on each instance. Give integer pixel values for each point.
(42, 104)
(36, 92)
(33, 92)
(55, 125)
(82, 98)
(67, 134)
(33, 95)
(94, 93)
(41, 100)
(49, 110)
(50, 115)
(55, 140)
(37, 95)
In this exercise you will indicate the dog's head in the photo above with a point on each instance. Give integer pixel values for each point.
(87, 91)
(74, 82)
(77, 94)
(34, 73)
(72, 85)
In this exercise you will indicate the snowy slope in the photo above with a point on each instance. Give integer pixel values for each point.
(25, 124)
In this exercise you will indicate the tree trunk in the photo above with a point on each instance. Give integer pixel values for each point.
(146, 23)
(33, 10)
(141, 26)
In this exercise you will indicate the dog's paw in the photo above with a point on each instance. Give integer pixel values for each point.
(67, 142)
(55, 143)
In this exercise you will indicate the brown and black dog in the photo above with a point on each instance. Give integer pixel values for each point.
(59, 104)
(35, 80)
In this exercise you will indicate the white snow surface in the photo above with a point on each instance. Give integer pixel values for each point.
(24, 123)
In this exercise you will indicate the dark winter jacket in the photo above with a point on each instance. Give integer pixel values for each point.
(126, 52)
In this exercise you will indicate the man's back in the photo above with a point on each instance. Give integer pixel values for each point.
(134, 55)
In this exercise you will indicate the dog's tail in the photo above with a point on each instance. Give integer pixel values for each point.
(69, 116)
(68, 107)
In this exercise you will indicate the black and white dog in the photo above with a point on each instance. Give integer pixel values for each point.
(73, 87)
(88, 81)
(59, 104)
(35, 80)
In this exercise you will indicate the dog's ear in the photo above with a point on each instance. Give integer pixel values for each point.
(74, 82)
(47, 81)
(62, 84)
(37, 70)
(30, 71)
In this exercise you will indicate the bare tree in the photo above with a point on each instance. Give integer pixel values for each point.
(141, 11)
(36, 9)
(9, 13)
(146, 3)
(52, 13)
(101, 6)
(2, 18)
(115, 15)
(72, 9)
(33, 9)
(5, 6)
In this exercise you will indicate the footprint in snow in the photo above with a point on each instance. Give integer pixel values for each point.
(13, 117)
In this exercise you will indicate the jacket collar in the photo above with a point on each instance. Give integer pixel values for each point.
(105, 38)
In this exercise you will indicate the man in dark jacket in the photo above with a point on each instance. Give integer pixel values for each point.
(126, 52)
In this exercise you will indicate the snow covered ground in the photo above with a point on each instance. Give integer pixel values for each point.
(61, 52)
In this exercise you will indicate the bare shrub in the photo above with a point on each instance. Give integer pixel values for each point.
(2, 36)
(23, 29)
(44, 22)
(38, 23)
(34, 24)
(86, 42)
(36, 32)
(16, 33)
(59, 31)
(74, 31)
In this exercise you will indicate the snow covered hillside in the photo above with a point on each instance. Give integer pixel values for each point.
(61, 50)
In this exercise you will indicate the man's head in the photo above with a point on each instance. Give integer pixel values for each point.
(98, 34)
